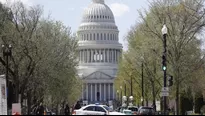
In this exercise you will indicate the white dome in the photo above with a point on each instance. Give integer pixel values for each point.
(98, 11)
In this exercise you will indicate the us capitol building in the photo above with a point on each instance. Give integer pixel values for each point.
(99, 53)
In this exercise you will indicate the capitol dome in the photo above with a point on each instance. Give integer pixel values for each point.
(98, 11)
(99, 53)
(98, 26)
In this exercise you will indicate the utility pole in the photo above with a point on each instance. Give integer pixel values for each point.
(164, 66)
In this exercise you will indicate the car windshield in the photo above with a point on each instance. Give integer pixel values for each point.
(146, 110)
(133, 109)
(107, 108)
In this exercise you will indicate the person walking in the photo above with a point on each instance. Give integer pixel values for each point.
(40, 110)
(67, 110)
(77, 106)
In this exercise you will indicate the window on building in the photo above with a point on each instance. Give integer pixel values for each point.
(94, 36)
(91, 37)
(97, 36)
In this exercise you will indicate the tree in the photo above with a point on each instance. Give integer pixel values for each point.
(44, 56)
(185, 20)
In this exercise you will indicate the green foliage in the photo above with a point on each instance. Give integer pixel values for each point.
(185, 59)
(44, 54)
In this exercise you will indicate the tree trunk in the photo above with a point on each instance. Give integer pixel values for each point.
(154, 96)
(16, 93)
(147, 102)
(29, 103)
(177, 98)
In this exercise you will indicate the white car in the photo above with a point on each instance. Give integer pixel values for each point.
(95, 109)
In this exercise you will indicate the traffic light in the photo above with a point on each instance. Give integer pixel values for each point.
(170, 81)
(164, 66)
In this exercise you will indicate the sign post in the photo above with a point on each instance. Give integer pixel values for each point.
(165, 92)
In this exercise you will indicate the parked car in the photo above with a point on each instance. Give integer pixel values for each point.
(95, 109)
(143, 110)
(134, 109)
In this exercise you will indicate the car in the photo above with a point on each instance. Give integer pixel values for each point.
(95, 109)
(134, 109)
(144, 110)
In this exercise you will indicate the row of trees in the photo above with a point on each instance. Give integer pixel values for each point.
(43, 62)
(185, 59)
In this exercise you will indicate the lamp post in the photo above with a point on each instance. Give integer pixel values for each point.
(142, 99)
(121, 95)
(164, 33)
(125, 87)
(118, 95)
(131, 100)
(131, 85)
(6, 53)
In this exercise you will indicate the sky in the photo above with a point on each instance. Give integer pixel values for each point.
(70, 12)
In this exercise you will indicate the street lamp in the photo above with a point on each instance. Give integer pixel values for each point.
(117, 94)
(131, 100)
(125, 87)
(131, 84)
(142, 82)
(6, 53)
(164, 66)
(126, 101)
(121, 95)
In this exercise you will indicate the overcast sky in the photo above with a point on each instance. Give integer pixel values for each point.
(70, 12)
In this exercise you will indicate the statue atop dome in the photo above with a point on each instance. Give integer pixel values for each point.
(98, 1)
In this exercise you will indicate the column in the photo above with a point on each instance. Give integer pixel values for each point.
(100, 92)
(108, 52)
(104, 56)
(88, 55)
(96, 56)
(87, 91)
(80, 56)
(115, 56)
(91, 93)
(85, 55)
(104, 92)
(100, 55)
(92, 55)
(96, 92)
(109, 91)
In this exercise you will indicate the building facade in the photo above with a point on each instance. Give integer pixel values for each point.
(99, 53)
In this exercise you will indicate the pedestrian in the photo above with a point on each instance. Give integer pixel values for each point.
(67, 110)
(40, 110)
(77, 105)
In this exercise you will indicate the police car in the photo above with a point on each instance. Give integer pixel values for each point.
(95, 109)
